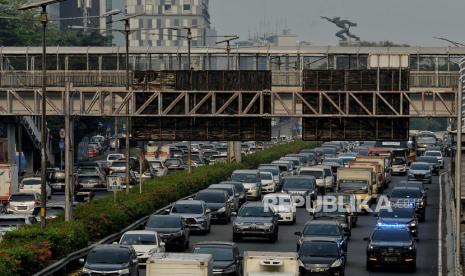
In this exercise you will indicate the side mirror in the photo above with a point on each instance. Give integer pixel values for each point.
(114, 243)
(81, 260)
(167, 210)
(298, 233)
(208, 211)
(366, 239)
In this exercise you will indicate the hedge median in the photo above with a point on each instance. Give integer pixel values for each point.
(28, 249)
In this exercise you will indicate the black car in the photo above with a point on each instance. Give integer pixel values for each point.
(254, 219)
(432, 161)
(227, 260)
(416, 184)
(321, 256)
(219, 204)
(239, 189)
(301, 185)
(111, 259)
(399, 216)
(391, 246)
(171, 229)
(409, 197)
(334, 212)
(330, 229)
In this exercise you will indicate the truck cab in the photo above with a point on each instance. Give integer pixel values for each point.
(357, 181)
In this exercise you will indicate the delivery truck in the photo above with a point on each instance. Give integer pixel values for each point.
(271, 263)
(8, 181)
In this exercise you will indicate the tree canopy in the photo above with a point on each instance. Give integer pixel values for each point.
(22, 28)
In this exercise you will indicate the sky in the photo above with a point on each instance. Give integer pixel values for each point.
(413, 22)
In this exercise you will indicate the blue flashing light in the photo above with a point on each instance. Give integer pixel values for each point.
(392, 225)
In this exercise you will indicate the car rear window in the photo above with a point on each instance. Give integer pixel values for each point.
(22, 198)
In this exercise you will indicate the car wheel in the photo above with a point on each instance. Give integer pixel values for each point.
(237, 238)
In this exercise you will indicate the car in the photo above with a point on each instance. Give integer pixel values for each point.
(254, 219)
(56, 181)
(23, 203)
(88, 182)
(284, 169)
(304, 160)
(302, 187)
(53, 210)
(90, 170)
(282, 205)
(33, 185)
(118, 166)
(175, 164)
(159, 167)
(172, 231)
(114, 157)
(239, 189)
(144, 242)
(92, 151)
(195, 213)
(329, 229)
(321, 256)
(326, 211)
(417, 184)
(323, 176)
(176, 153)
(218, 202)
(410, 197)
(227, 260)
(391, 246)
(232, 193)
(432, 161)
(111, 259)
(349, 201)
(420, 171)
(438, 155)
(273, 169)
(251, 181)
(291, 169)
(10, 222)
(297, 163)
(268, 182)
(402, 215)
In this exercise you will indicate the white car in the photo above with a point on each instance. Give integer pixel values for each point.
(144, 242)
(436, 154)
(323, 176)
(11, 222)
(283, 205)
(113, 157)
(23, 203)
(268, 182)
(32, 185)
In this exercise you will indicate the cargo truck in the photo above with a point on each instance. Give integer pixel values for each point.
(8, 181)
(357, 181)
(385, 166)
(271, 263)
(179, 264)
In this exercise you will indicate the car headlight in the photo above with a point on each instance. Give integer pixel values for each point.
(201, 219)
(86, 270)
(124, 271)
(428, 174)
(238, 224)
(268, 225)
(413, 224)
(337, 263)
(222, 210)
(411, 247)
(410, 174)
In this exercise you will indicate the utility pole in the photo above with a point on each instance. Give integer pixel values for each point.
(127, 31)
(68, 156)
(458, 169)
(189, 143)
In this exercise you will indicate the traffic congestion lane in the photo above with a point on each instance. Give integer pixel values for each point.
(427, 249)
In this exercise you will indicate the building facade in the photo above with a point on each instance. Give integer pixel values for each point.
(164, 23)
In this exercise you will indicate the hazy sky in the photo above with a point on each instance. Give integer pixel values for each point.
(414, 22)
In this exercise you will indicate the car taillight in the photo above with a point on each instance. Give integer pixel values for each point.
(37, 202)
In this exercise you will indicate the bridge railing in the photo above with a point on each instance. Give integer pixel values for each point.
(440, 79)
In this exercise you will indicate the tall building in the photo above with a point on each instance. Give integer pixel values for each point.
(164, 20)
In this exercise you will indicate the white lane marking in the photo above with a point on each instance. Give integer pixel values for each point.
(440, 272)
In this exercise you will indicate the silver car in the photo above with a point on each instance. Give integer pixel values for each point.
(195, 214)
(251, 181)
(420, 171)
(23, 203)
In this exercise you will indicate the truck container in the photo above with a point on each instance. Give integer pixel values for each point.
(357, 181)
(8, 181)
(271, 263)
(179, 264)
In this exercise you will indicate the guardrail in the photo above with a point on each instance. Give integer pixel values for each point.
(61, 264)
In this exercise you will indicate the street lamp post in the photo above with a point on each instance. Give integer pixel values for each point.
(43, 144)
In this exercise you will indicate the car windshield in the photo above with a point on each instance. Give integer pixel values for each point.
(329, 211)
(119, 164)
(244, 177)
(426, 140)
(256, 211)
(277, 200)
(109, 256)
(391, 236)
(428, 159)
(156, 165)
(182, 208)
(274, 171)
(164, 222)
(353, 186)
(420, 167)
(316, 174)
(295, 183)
(211, 197)
(11, 222)
(138, 239)
(219, 254)
(173, 162)
(321, 230)
(433, 153)
(266, 176)
(319, 249)
(22, 198)
(228, 190)
(239, 187)
(406, 193)
(397, 213)
(31, 182)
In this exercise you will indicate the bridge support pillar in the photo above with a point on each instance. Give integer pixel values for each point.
(11, 134)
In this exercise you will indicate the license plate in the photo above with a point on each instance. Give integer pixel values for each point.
(391, 259)
(22, 207)
(318, 269)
